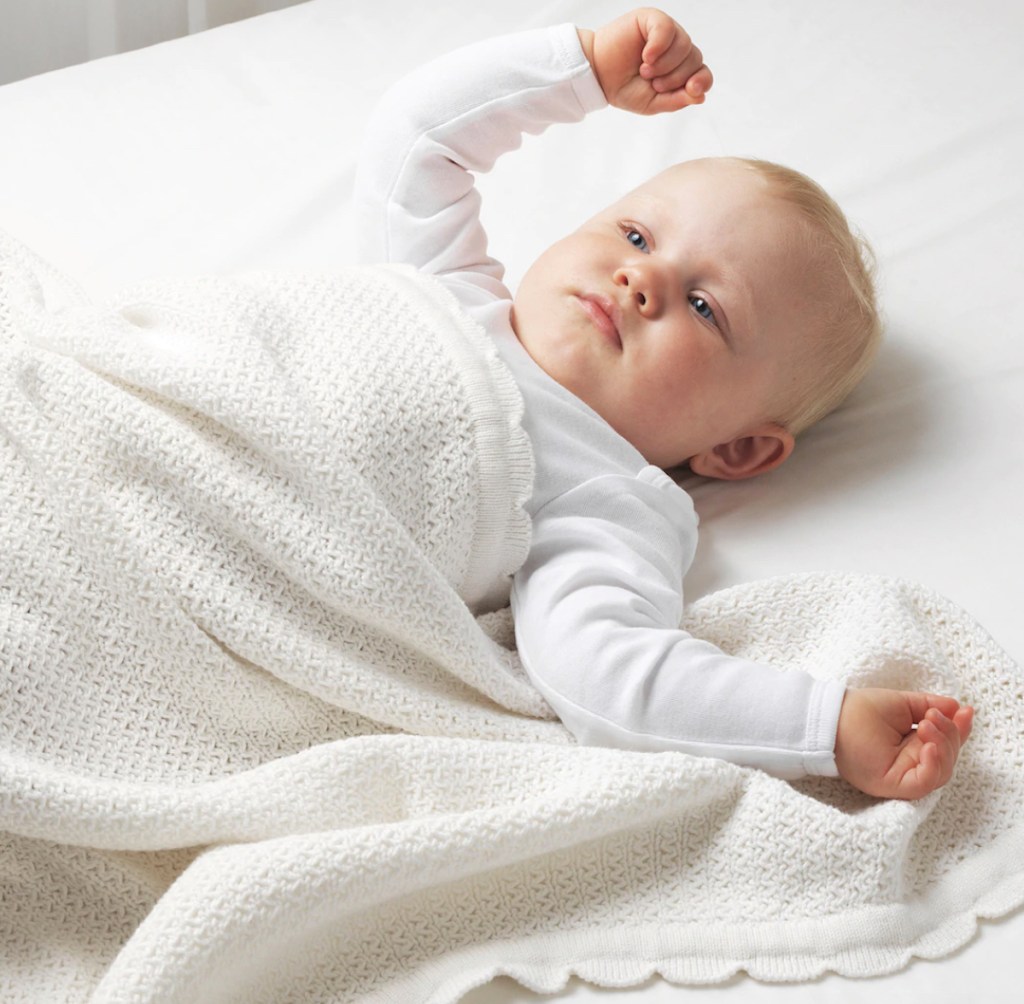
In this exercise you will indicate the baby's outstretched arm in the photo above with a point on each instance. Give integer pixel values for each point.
(879, 751)
(646, 63)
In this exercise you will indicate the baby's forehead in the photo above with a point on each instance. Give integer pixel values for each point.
(717, 184)
(723, 173)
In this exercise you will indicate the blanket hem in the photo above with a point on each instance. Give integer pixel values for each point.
(697, 954)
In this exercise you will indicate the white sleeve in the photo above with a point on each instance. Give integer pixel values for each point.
(597, 609)
(415, 201)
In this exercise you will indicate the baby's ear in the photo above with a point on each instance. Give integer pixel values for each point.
(760, 451)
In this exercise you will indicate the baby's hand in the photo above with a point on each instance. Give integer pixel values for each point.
(878, 751)
(646, 63)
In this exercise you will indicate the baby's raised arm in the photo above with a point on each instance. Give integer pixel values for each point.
(415, 199)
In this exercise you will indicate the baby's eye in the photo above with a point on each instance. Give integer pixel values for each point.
(635, 238)
(702, 307)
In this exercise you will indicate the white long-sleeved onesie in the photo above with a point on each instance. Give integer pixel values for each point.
(598, 602)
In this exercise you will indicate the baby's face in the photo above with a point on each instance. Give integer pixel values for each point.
(676, 312)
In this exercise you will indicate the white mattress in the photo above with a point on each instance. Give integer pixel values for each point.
(236, 148)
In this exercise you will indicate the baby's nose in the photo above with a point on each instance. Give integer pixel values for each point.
(641, 288)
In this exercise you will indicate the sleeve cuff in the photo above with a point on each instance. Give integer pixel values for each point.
(584, 84)
(822, 724)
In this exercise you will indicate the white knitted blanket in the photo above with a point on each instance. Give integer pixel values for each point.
(254, 747)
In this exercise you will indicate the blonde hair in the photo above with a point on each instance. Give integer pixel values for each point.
(851, 326)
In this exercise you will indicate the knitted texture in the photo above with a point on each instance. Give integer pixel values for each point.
(254, 747)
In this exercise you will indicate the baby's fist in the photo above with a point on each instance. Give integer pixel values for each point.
(899, 744)
(646, 63)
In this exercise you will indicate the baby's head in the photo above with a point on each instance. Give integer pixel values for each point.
(709, 316)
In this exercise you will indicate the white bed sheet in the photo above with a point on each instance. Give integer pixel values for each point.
(236, 149)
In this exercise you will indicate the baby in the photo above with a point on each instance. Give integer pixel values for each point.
(706, 318)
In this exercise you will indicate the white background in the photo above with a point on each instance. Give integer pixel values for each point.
(41, 35)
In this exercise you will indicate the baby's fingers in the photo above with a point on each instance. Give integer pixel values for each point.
(935, 721)
(917, 770)
(670, 58)
(681, 60)
(666, 44)
(684, 85)
(679, 53)
(693, 85)
(942, 733)
(927, 757)
(930, 769)
(964, 721)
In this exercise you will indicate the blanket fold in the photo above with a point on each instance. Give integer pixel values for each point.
(254, 745)
(235, 485)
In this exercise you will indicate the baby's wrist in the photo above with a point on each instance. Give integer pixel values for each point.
(586, 37)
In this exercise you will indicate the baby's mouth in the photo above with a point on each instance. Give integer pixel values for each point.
(604, 313)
